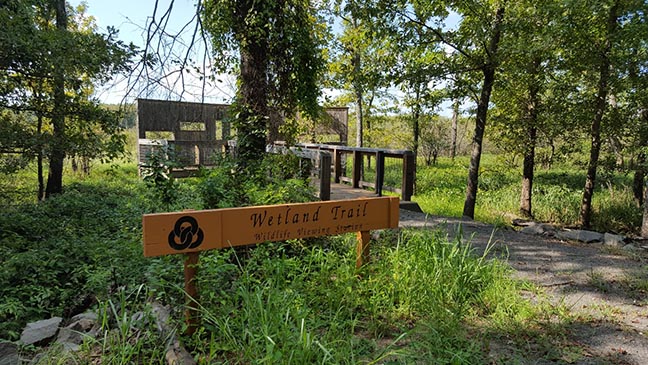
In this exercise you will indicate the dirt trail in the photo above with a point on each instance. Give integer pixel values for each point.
(604, 288)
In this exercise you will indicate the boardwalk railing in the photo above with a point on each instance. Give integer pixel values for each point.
(321, 163)
(339, 153)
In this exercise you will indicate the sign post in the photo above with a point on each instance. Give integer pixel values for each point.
(191, 290)
(194, 231)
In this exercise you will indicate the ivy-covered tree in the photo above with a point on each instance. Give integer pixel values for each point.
(276, 47)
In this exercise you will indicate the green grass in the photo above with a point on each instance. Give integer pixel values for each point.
(296, 302)
(423, 298)
(557, 194)
(303, 302)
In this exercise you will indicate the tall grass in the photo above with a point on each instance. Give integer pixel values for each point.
(298, 302)
(295, 304)
(557, 194)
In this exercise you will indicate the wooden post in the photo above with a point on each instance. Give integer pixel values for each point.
(409, 168)
(380, 172)
(325, 175)
(191, 290)
(362, 248)
(357, 168)
(337, 168)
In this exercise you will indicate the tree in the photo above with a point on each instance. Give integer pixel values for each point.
(604, 41)
(276, 46)
(434, 138)
(473, 48)
(521, 91)
(57, 154)
(361, 61)
(417, 71)
(599, 41)
(47, 76)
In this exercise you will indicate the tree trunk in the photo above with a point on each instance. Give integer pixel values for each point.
(57, 153)
(638, 184)
(644, 226)
(527, 173)
(595, 131)
(482, 112)
(453, 135)
(416, 116)
(531, 119)
(252, 122)
(640, 169)
(39, 159)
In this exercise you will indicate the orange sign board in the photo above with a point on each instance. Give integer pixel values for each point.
(184, 232)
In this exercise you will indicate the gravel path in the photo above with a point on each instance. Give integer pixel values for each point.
(606, 289)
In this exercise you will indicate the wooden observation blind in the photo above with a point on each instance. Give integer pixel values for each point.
(200, 131)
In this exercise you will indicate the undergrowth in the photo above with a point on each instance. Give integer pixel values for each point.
(304, 302)
(295, 302)
(557, 194)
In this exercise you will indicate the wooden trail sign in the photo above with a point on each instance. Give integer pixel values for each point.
(193, 231)
(190, 232)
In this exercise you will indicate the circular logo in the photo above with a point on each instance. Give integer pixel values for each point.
(186, 234)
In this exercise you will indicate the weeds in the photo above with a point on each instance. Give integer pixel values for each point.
(557, 195)
(296, 303)
(293, 302)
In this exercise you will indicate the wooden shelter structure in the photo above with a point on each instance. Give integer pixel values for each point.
(199, 131)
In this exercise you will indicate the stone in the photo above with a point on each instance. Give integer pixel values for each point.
(41, 330)
(138, 319)
(630, 247)
(580, 235)
(162, 315)
(538, 229)
(71, 336)
(522, 222)
(71, 347)
(178, 355)
(85, 315)
(9, 354)
(615, 240)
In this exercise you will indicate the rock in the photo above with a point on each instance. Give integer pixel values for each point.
(41, 330)
(86, 315)
(138, 319)
(161, 314)
(71, 347)
(613, 240)
(521, 222)
(538, 229)
(178, 355)
(9, 354)
(580, 235)
(630, 247)
(71, 336)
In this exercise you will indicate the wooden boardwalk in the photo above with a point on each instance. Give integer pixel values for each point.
(346, 191)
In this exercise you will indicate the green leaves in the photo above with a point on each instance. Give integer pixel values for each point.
(50, 73)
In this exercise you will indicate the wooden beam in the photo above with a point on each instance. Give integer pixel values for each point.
(380, 172)
(362, 248)
(192, 315)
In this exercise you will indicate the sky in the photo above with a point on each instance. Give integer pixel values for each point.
(130, 17)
